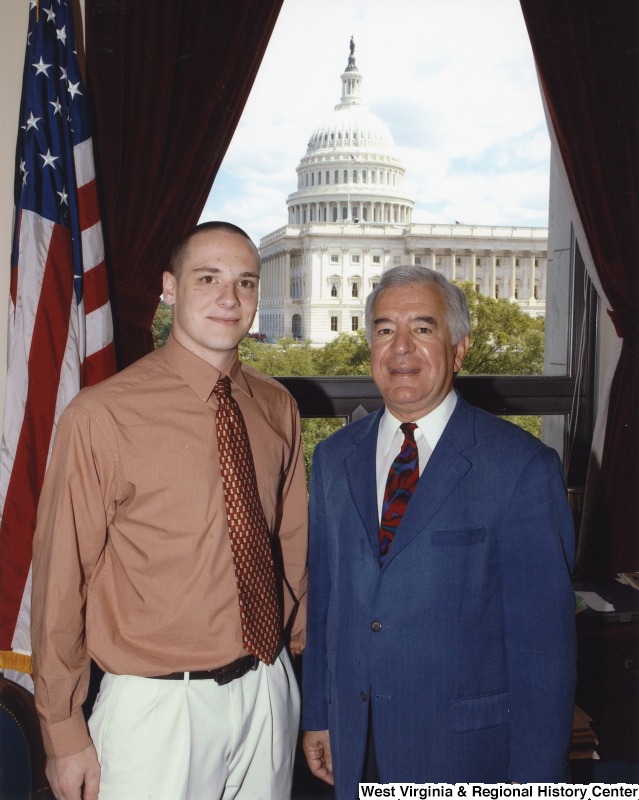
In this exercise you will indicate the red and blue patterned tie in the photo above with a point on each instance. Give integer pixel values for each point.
(402, 479)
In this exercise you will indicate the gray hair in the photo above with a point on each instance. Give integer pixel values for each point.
(457, 314)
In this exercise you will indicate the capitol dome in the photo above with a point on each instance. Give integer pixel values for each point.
(350, 172)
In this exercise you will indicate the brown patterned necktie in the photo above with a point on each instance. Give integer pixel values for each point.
(248, 530)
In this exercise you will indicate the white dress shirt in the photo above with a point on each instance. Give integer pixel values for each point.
(390, 439)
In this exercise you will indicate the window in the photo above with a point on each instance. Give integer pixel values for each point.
(458, 262)
(334, 258)
(355, 259)
(336, 176)
(296, 326)
(345, 176)
(418, 260)
(333, 323)
(354, 323)
(355, 290)
(334, 292)
(377, 260)
(498, 262)
(328, 176)
(354, 176)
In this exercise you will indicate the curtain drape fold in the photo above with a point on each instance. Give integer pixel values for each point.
(169, 81)
(587, 57)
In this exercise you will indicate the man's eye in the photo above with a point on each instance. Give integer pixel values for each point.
(247, 284)
(207, 279)
(383, 331)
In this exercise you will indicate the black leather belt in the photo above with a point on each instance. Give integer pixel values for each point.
(221, 675)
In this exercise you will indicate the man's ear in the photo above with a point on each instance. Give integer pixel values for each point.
(169, 286)
(461, 348)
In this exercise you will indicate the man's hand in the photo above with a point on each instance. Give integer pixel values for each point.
(317, 749)
(69, 775)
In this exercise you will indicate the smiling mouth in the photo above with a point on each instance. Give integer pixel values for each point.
(404, 371)
(224, 320)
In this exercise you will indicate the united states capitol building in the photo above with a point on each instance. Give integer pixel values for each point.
(350, 219)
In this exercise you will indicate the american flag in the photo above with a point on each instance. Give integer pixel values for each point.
(60, 326)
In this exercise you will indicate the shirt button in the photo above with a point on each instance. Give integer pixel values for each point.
(362, 696)
(376, 626)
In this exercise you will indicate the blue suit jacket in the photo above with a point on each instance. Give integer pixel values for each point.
(470, 670)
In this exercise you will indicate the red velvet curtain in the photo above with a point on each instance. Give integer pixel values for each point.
(587, 56)
(169, 81)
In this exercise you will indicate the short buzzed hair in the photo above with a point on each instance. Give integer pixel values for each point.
(177, 254)
(457, 314)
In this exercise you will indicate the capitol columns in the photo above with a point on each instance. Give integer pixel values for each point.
(473, 267)
(493, 274)
(513, 274)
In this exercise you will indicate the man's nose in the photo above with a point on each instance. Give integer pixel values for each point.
(402, 342)
(227, 295)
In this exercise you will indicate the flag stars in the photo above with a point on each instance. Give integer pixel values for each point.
(32, 122)
(57, 106)
(74, 89)
(41, 67)
(61, 33)
(50, 14)
(64, 197)
(63, 74)
(48, 159)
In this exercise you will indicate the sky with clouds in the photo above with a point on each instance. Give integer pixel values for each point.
(454, 80)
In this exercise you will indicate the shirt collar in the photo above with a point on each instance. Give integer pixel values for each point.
(198, 373)
(431, 426)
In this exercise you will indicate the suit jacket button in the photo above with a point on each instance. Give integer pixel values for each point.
(376, 626)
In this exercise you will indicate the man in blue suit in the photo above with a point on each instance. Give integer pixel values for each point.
(444, 649)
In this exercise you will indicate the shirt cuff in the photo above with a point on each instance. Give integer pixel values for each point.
(67, 737)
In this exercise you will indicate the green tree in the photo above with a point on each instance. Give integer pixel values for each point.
(288, 357)
(504, 339)
(162, 324)
(347, 354)
(314, 431)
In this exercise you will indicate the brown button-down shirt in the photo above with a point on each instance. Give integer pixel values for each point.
(132, 562)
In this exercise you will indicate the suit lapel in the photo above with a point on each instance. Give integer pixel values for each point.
(446, 467)
(362, 480)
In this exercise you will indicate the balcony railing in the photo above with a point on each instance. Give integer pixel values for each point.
(351, 397)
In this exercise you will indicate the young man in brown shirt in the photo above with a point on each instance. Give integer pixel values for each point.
(133, 565)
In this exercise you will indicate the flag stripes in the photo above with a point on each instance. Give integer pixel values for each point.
(60, 325)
